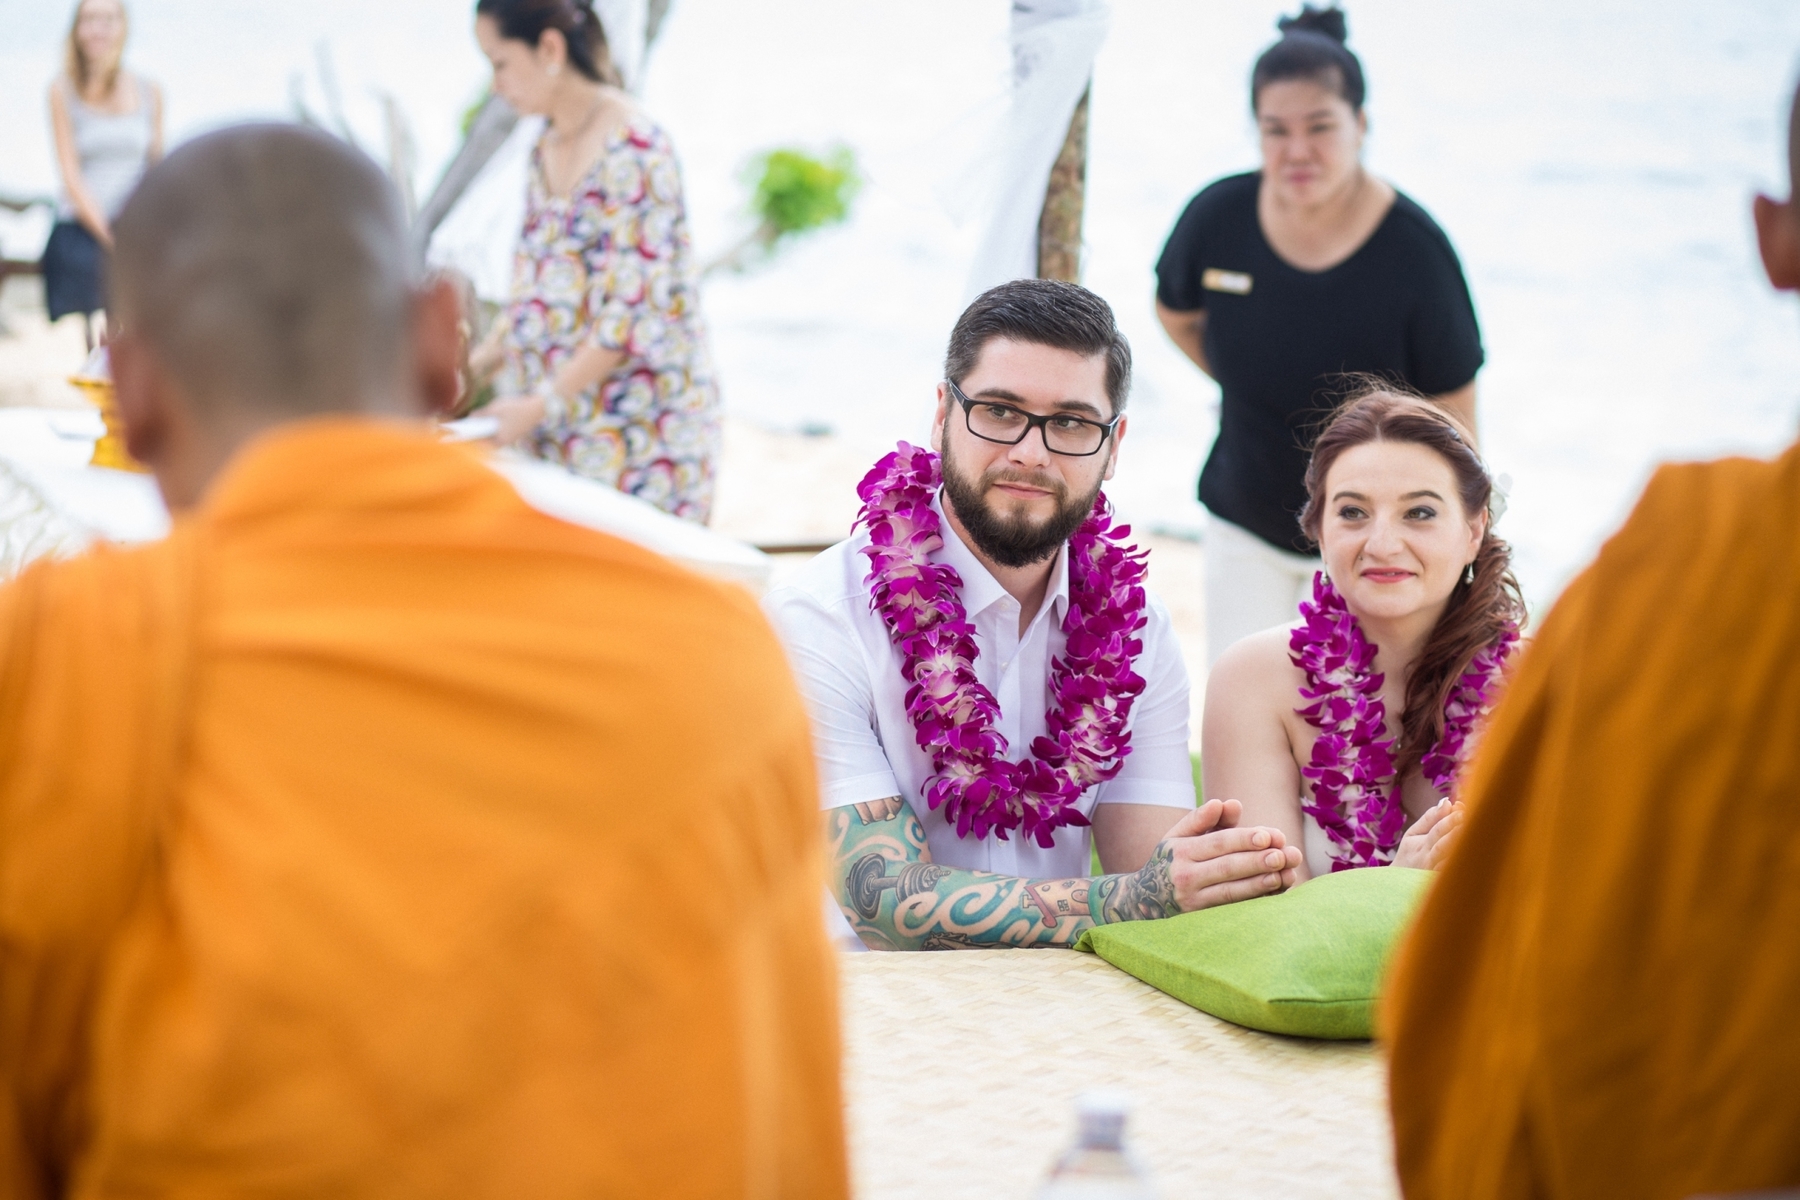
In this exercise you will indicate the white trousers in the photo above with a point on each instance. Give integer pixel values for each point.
(1250, 585)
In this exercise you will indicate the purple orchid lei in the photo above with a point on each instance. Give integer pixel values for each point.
(1092, 685)
(1355, 800)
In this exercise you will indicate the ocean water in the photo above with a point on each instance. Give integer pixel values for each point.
(1592, 163)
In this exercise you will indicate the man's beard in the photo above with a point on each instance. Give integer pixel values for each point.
(1012, 540)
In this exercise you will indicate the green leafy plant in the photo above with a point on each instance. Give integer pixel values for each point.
(795, 192)
(792, 193)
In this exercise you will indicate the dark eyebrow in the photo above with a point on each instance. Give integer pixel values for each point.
(1314, 115)
(1081, 407)
(1409, 496)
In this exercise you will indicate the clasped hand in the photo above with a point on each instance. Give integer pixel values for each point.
(1213, 861)
(1427, 843)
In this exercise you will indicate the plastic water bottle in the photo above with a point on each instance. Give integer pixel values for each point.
(1097, 1166)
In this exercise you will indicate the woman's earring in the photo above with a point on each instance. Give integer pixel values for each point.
(1469, 573)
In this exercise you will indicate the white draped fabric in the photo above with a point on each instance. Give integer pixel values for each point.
(1054, 43)
(479, 234)
(625, 23)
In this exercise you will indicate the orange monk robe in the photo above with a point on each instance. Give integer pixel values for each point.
(378, 835)
(1602, 994)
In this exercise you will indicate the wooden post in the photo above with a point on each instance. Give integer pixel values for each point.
(1059, 225)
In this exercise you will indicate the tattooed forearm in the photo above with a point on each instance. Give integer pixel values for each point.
(1144, 895)
(868, 879)
(872, 811)
(896, 898)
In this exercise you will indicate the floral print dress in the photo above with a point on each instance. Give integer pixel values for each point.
(612, 264)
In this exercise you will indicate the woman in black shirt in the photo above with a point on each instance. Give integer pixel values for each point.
(1278, 284)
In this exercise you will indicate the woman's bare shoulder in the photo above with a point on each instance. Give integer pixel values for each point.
(1260, 659)
(1255, 676)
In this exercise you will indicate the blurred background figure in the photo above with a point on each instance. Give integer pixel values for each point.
(1279, 282)
(107, 124)
(600, 359)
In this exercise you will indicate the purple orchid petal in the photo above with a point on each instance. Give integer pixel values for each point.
(953, 714)
(1355, 800)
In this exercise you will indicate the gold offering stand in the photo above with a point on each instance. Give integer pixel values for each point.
(109, 450)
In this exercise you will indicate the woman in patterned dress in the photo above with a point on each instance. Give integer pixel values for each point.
(602, 357)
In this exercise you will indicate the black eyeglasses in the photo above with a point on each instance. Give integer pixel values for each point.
(991, 421)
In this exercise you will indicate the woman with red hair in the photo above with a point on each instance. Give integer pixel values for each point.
(1346, 728)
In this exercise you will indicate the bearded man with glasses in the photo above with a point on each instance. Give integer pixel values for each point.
(987, 677)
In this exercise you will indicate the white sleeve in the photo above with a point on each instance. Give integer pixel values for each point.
(834, 678)
(1158, 770)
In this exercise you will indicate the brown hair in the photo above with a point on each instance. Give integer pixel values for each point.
(1042, 312)
(75, 63)
(1478, 612)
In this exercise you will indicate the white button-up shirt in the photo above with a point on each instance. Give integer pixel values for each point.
(849, 671)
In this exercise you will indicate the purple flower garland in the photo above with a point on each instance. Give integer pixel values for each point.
(1352, 763)
(1092, 686)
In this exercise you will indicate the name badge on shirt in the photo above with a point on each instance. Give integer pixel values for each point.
(1235, 282)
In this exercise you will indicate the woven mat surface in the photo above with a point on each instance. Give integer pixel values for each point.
(962, 1068)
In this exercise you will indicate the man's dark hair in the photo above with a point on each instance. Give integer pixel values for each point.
(1043, 312)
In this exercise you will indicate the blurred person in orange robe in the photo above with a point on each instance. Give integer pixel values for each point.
(1602, 994)
(375, 834)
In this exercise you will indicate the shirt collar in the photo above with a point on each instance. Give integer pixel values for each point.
(980, 589)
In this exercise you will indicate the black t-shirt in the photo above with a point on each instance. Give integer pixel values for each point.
(1279, 339)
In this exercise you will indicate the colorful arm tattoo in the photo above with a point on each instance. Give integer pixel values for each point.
(896, 898)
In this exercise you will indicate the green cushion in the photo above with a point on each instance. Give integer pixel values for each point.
(1307, 962)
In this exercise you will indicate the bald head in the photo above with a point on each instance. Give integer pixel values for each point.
(268, 268)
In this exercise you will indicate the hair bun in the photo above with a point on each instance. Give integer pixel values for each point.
(1327, 21)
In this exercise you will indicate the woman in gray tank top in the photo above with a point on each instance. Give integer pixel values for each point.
(107, 124)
